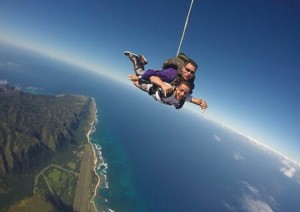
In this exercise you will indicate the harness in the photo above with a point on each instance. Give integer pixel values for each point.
(177, 63)
(161, 96)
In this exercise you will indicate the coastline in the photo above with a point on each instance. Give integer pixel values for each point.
(91, 130)
(97, 161)
(95, 166)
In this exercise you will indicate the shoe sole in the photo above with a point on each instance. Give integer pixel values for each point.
(129, 54)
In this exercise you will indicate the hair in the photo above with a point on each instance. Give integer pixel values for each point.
(193, 63)
(182, 101)
(185, 82)
(186, 59)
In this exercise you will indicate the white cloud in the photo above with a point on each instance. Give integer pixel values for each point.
(254, 200)
(3, 82)
(288, 169)
(8, 64)
(238, 156)
(229, 207)
(217, 138)
(253, 205)
(251, 188)
(260, 145)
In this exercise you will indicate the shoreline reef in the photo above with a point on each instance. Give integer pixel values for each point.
(92, 130)
(100, 166)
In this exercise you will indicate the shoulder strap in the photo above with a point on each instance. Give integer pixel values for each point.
(180, 104)
(161, 95)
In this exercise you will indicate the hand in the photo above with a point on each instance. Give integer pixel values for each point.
(202, 104)
(133, 78)
(166, 88)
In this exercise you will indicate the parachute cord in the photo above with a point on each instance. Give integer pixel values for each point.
(186, 22)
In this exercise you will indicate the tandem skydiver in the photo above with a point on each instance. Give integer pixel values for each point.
(175, 80)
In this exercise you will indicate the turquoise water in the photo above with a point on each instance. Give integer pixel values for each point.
(159, 158)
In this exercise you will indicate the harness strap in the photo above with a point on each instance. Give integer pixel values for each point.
(161, 96)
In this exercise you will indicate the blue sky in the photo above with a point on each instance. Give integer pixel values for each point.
(248, 51)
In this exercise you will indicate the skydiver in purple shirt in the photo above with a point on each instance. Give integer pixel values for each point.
(173, 71)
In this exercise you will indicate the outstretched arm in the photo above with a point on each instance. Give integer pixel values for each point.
(135, 79)
(166, 88)
(202, 103)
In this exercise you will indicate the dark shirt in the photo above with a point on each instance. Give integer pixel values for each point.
(166, 75)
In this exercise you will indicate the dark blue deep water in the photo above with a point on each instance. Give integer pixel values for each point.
(159, 158)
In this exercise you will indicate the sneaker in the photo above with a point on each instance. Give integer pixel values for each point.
(130, 54)
(133, 58)
(137, 59)
(142, 60)
(138, 62)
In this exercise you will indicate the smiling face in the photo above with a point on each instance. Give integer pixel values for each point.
(188, 71)
(181, 91)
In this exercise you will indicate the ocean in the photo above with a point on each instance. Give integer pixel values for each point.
(157, 158)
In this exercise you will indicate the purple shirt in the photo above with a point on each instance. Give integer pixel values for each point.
(166, 75)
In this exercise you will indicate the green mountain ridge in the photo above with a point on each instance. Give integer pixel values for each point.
(38, 132)
(35, 124)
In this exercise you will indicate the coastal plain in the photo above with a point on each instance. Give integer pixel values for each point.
(47, 162)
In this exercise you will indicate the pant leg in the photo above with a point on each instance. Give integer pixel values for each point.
(139, 71)
(143, 86)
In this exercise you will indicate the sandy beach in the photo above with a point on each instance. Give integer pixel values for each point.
(95, 166)
(94, 153)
